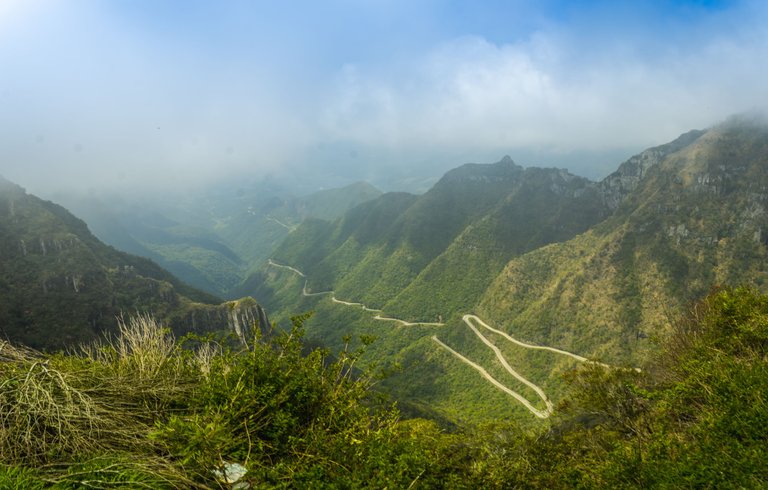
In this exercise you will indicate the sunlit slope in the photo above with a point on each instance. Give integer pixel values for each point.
(542, 206)
(696, 219)
(401, 250)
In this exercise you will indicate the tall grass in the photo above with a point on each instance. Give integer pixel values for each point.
(140, 411)
(99, 404)
(44, 410)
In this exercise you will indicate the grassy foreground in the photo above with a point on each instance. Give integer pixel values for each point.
(146, 411)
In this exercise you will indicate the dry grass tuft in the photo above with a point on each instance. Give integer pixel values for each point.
(107, 398)
(93, 411)
(42, 409)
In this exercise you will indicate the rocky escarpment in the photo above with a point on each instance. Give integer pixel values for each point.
(627, 177)
(245, 317)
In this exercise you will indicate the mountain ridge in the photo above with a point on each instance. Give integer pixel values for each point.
(657, 234)
(61, 286)
(211, 238)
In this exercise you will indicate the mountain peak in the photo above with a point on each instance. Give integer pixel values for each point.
(504, 169)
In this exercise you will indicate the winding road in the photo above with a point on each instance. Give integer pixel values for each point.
(281, 266)
(468, 319)
(542, 414)
(349, 303)
(408, 324)
(304, 291)
(289, 228)
(472, 321)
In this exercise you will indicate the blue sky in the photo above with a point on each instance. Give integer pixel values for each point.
(114, 93)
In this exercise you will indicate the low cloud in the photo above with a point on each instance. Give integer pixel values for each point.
(92, 95)
(543, 93)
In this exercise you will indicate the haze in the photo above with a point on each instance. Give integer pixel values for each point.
(162, 95)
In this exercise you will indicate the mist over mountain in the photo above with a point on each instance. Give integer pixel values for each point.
(62, 286)
(156, 100)
(433, 244)
(211, 238)
(596, 268)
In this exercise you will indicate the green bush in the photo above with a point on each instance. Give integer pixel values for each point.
(143, 412)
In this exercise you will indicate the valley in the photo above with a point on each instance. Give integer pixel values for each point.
(444, 244)
(572, 266)
(470, 321)
(507, 311)
(448, 282)
(211, 238)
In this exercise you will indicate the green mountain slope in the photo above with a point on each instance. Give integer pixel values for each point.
(212, 238)
(541, 207)
(550, 259)
(694, 219)
(60, 285)
(427, 258)
(396, 250)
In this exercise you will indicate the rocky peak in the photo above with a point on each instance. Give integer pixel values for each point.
(504, 169)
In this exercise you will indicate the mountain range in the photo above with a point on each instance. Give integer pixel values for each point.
(481, 293)
(593, 268)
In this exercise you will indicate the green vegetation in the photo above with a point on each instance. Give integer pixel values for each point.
(213, 239)
(60, 286)
(597, 269)
(693, 221)
(141, 411)
(524, 249)
(144, 411)
(432, 256)
(693, 419)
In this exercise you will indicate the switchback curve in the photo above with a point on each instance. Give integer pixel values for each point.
(468, 319)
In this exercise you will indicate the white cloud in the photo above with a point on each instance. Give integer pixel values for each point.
(219, 91)
(551, 91)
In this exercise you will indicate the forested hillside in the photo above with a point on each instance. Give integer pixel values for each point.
(694, 220)
(61, 286)
(594, 269)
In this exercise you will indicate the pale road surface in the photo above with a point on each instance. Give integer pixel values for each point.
(348, 303)
(275, 264)
(506, 365)
(305, 293)
(289, 228)
(540, 414)
(408, 324)
(469, 319)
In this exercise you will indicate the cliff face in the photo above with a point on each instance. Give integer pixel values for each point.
(245, 317)
(627, 177)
